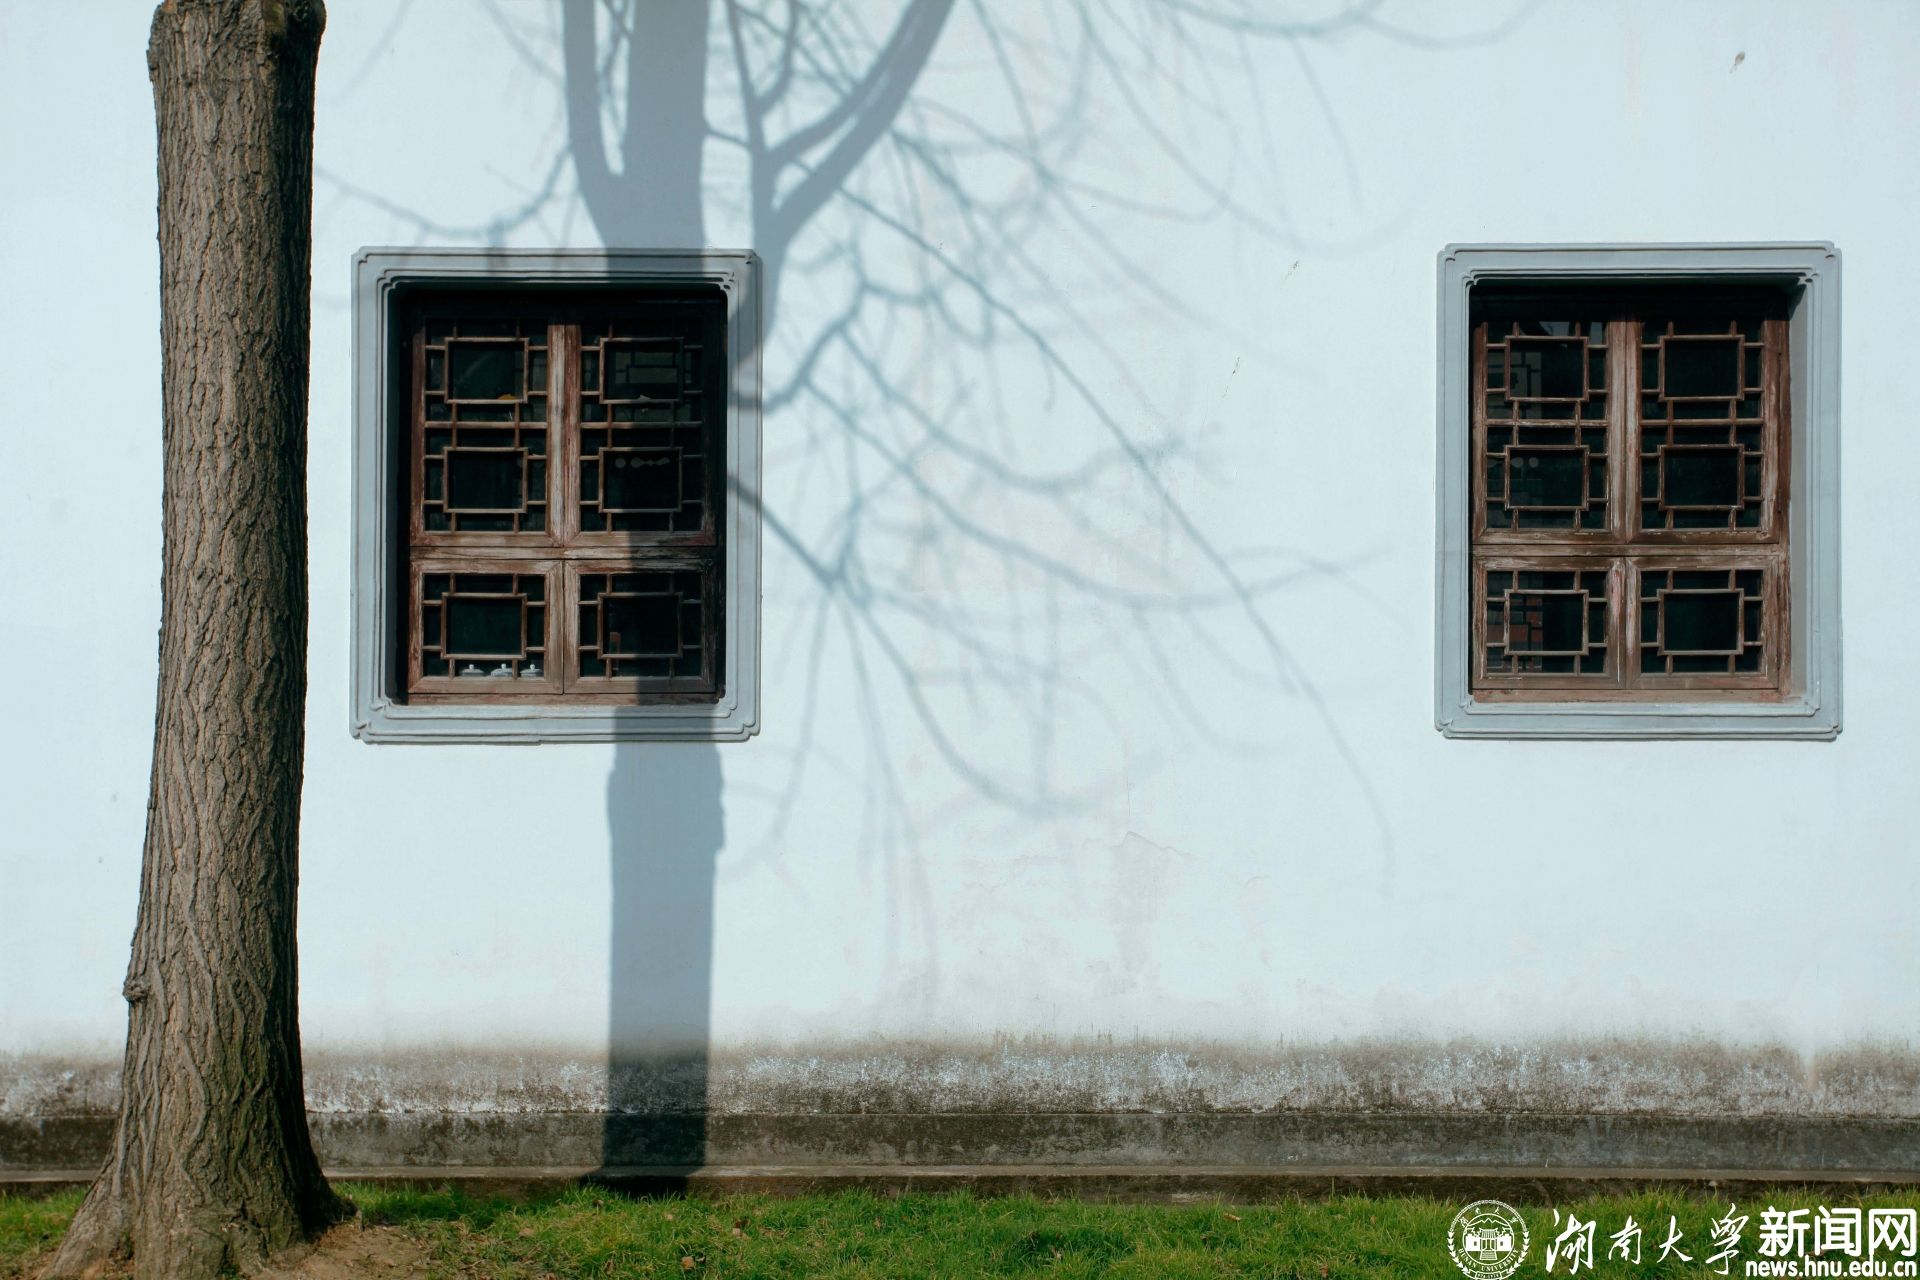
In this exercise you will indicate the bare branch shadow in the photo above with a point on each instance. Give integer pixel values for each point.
(1009, 588)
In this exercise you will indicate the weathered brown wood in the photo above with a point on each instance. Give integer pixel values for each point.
(1564, 684)
(1478, 429)
(417, 439)
(1630, 550)
(563, 467)
(1623, 615)
(1777, 407)
(545, 686)
(1623, 427)
(569, 625)
(1772, 609)
(649, 688)
(212, 1166)
(564, 550)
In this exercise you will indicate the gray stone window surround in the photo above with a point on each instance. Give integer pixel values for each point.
(1812, 708)
(378, 714)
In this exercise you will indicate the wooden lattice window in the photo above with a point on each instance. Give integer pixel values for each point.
(565, 476)
(1630, 494)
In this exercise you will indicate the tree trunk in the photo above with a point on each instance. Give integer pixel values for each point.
(212, 1165)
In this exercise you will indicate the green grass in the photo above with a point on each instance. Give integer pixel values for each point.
(591, 1233)
(29, 1227)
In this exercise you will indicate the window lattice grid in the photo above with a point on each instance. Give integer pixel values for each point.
(645, 416)
(483, 411)
(1704, 621)
(650, 625)
(577, 438)
(1705, 424)
(483, 626)
(1544, 410)
(1545, 621)
(1642, 430)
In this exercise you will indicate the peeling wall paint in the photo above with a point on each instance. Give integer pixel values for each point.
(1568, 1105)
(1622, 1077)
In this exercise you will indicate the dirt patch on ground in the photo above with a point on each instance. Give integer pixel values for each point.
(343, 1253)
(354, 1251)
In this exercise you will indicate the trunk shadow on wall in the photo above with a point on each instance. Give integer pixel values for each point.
(642, 182)
(666, 828)
(664, 821)
(886, 377)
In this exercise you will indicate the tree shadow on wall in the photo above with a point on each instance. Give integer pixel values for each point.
(853, 162)
(665, 831)
(902, 292)
(923, 465)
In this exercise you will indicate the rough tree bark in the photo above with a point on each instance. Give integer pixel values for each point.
(212, 1165)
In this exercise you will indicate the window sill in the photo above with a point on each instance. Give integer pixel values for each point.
(387, 721)
(1801, 718)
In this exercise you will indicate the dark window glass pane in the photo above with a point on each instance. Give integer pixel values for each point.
(1708, 368)
(635, 371)
(1547, 369)
(1701, 622)
(1546, 623)
(641, 625)
(486, 370)
(483, 480)
(479, 627)
(1701, 477)
(641, 479)
(1546, 477)
(485, 412)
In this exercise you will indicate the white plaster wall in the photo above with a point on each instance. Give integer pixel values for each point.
(1046, 776)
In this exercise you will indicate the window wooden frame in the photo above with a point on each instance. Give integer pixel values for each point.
(1796, 691)
(562, 550)
(394, 700)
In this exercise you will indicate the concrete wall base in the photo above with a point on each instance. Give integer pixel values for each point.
(1280, 1146)
(1109, 1183)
